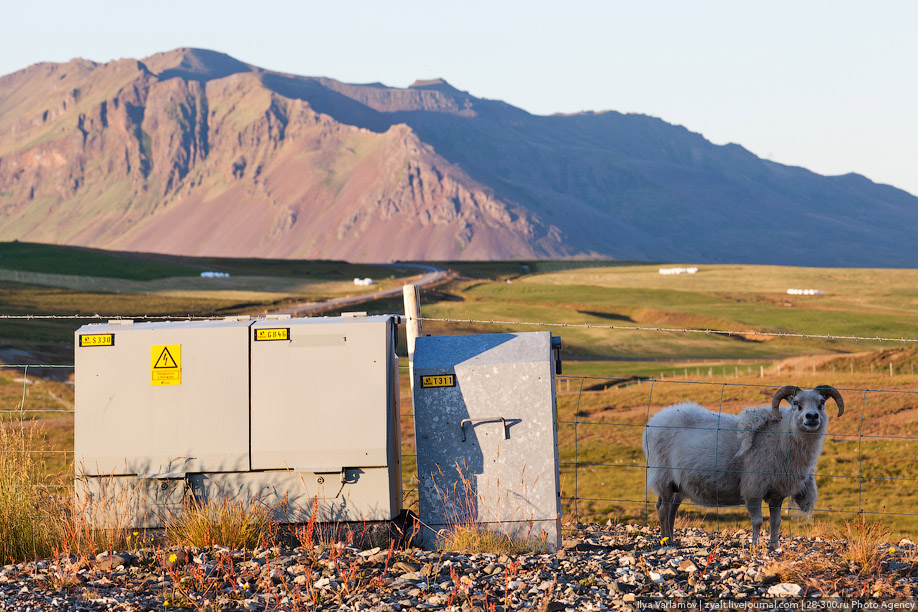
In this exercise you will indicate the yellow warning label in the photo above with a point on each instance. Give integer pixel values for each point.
(166, 364)
(442, 380)
(97, 339)
(278, 333)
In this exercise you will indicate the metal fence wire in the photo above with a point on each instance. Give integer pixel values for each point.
(869, 462)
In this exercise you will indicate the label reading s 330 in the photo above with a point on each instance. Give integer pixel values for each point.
(97, 339)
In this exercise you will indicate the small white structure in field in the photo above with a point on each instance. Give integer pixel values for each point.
(210, 274)
(805, 292)
(678, 270)
(363, 282)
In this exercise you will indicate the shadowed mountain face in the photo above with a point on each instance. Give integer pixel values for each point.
(193, 152)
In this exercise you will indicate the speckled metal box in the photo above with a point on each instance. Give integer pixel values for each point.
(487, 441)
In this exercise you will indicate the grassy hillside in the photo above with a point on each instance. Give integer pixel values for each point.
(54, 280)
(857, 302)
(52, 259)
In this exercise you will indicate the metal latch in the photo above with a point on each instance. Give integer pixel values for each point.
(165, 478)
(502, 420)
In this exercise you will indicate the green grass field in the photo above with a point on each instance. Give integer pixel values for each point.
(53, 280)
(867, 303)
(613, 377)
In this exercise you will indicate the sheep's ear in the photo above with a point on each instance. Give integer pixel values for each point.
(782, 393)
(827, 391)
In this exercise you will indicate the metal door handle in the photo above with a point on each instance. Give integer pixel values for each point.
(502, 420)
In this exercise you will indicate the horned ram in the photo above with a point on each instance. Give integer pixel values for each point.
(718, 459)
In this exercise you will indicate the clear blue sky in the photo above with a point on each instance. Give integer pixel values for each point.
(830, 85)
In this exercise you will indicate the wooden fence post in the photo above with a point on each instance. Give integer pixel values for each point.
(413, 327)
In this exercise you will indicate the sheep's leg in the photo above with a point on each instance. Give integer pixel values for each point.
(754, 506)
(674, 502)
(663, 515)
(774, 518)
(667, 505)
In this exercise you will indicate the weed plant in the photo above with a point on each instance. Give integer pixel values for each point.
(852, 555)
(461, 505)
(88, 523)
(25, 502)
(222, 522)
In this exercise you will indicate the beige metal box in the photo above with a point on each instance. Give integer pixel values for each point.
(159, 398)
(325, 405)
(297, 413)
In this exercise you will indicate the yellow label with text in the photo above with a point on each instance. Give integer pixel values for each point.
(440, 380)
(97, 339)
(166, 364)
(273, 333)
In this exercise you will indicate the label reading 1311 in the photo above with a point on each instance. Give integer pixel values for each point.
(441, 380)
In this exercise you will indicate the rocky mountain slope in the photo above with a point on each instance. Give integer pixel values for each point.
(194, 152)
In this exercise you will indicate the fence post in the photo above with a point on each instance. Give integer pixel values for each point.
(413, 329)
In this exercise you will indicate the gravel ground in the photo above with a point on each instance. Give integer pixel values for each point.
(600, 567)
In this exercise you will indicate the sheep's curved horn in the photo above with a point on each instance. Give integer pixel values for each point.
(827, 391)
(783, 393)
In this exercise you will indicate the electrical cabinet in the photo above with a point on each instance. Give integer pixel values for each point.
(161, 398)
(298, 413)
(486, 431)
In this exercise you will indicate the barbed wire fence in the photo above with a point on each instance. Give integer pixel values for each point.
(869, 465)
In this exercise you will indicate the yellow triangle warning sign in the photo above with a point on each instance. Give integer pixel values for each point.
(166, 364)
(165, 360)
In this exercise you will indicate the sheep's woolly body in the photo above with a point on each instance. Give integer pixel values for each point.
(718, 459)
(728, 457)
(751, 421)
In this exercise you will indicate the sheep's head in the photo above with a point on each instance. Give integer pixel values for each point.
(808, 407)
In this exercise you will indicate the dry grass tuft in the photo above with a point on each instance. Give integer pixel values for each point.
(229, 523)
(88, 524)
(475, 538)
(865, 544)
(26, 504)
(851, 556)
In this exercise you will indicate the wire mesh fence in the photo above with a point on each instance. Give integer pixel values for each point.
(869, 462)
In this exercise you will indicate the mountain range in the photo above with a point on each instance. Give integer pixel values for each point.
(194, 152)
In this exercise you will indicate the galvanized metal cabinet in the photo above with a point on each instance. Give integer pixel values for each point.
(486, 434)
